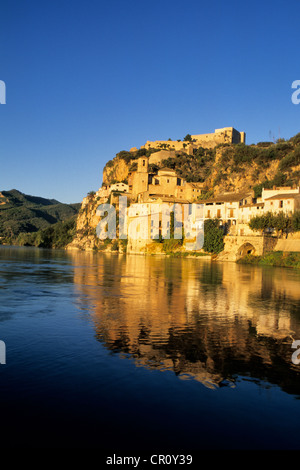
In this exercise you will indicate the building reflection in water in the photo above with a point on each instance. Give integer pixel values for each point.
(208, 321)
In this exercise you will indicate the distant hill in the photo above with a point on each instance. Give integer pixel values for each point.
(21, 213)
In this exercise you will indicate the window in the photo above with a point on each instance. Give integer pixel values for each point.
(208, 213)
(280, 203)
(168, 181)
(219, 213)
(144, 162)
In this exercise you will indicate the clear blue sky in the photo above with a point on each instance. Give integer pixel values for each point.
(86, 79)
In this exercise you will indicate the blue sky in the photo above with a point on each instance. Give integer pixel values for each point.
(85, 80)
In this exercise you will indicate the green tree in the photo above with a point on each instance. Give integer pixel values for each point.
(213, 236)
(296, 221)
(280, 222)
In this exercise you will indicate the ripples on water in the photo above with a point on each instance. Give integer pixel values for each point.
(140, 352)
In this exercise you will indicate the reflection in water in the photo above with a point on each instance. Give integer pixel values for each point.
(202, 320)
(97, 343)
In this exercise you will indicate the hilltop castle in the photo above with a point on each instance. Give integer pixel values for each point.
(143, 184)
(226, 135)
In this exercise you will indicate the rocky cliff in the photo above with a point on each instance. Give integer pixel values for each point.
(116, 170)
(87, 222)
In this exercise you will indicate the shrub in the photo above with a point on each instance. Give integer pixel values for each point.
(244, 153)
(127, 156)
(264, 144)
(206, 195)
(280, 222)
(171, 245)
(109, 164)
(280, 179)
(296, 139)
(133, 167)
(153, 168)
(292, 159)
(296, 221)
(115, 245)
(213, 236)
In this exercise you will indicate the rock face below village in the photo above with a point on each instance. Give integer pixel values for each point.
(117, 172)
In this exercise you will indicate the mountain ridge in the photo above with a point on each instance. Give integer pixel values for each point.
(23, 213)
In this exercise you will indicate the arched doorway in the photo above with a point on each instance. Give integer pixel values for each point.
(246, 249)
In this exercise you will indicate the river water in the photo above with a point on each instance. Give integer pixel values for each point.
(147, 353)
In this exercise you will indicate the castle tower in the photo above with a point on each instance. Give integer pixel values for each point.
(143, 164)
(140, 177)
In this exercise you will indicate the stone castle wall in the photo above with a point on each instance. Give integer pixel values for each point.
(226, 135)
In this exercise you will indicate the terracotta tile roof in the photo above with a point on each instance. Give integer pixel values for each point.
(283, 196)
(229, 197)
(167, 169)
(259, 204)
(168, 198)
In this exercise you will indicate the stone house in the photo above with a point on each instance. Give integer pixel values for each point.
(287, 203)
(226, 206)
(144, 184)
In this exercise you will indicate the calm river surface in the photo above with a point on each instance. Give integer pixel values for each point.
(135, 352)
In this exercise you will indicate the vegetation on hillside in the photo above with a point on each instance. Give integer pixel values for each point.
(240, 158)
(58, 235)
(20, 213)
(129, 156)
(193, 168)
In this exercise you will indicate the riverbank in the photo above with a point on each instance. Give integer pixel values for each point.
(274, 258)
